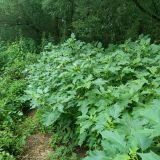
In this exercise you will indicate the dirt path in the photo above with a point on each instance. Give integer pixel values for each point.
(37, 147)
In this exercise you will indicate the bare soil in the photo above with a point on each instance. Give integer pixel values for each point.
(37, 148)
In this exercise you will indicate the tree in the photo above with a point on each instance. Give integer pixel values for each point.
(24, 15)
(153, 15)
(100, 20)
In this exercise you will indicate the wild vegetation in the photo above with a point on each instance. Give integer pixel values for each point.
(104, 100)
(109, 97)
(13, 131)
(91, 95)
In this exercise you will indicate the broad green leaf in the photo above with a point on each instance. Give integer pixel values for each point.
(143, 139)
(96, 155)
(155, 131)
(50, 117)
(122, 157)
(99, 82)
(115, 138)
(149, 156)
(82, 138)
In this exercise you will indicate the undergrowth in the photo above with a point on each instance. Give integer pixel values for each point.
(13, 128)
(107, 100)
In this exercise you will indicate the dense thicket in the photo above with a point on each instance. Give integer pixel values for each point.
(101, 20)
(13, 131)
(110, 98)
(103, 101)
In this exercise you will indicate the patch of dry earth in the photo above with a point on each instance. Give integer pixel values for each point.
(37, 148)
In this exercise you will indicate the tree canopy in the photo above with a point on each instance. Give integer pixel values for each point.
(101, 20)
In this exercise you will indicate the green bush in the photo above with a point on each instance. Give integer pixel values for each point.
(12, 84)
(6, 156)
(111, 96)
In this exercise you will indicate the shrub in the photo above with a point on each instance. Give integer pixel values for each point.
(12, 84)
(111, 96)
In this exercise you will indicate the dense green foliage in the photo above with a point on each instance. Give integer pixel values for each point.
(94, 103)
(13, 131)
(100, 20)
(110, 98)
